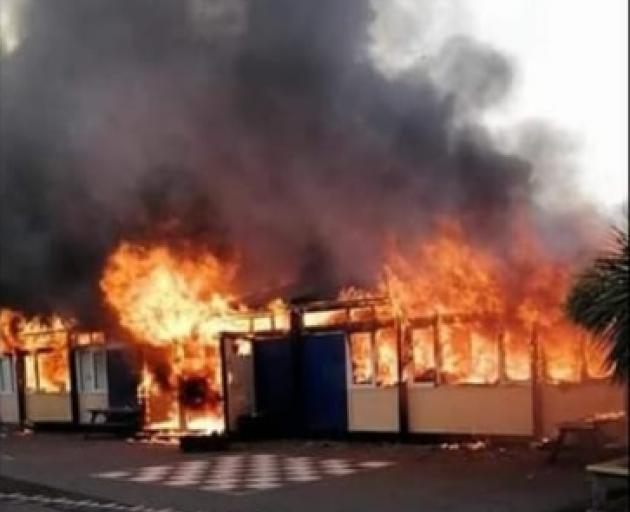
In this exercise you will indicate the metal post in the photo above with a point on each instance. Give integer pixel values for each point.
(144, 397)
(502, 353)
(437, 348)
(20, 382)
(295, 326)
(178, 348)
(224, 384)
(403, 416)
(536, 377)
(74, 381)
(374, 356)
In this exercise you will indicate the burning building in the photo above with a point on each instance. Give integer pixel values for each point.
(253, 206)
(52, 373)
(452, 351)
(440, 352)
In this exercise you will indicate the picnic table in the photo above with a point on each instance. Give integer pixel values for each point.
(115, 419)
(588, 430)
(601, 475)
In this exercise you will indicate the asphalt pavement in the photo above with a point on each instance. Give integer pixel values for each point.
(283, 477)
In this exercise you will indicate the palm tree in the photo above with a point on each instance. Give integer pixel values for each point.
(598, 301)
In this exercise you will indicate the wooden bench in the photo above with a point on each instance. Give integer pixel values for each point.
(601, 474)
(115, 420)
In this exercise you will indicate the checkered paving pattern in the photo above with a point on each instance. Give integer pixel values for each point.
(242, 473)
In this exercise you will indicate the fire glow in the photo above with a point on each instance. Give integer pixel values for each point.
(486, 319)
(188, 302)
(447, 313)
(180, 303)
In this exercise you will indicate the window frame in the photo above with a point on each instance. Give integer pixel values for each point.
(584, 373)
(411, 382)
(372, 336)
(504, 373)
(95, 386)
(375, 355)
(10, 360)
(587, 376)
(436, 327)
(36, 355)
(372, 339)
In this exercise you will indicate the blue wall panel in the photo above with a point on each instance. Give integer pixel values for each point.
(275, 390)
(301, 387)
(323, 389)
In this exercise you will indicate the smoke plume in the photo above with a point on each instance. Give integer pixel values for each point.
(261, 130)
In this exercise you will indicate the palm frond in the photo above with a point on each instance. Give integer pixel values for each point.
(599, 298)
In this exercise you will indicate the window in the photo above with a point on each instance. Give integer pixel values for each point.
(374, 357)
(595, 355)
(470, 355)
(361, 314)
(85, 374)
(83, 338)
(30, 372)
(362, 358)
(423, 355)
(242, 347)
(52, 371)
(324, 318)
(92, 369)
(100, 370)
(517, 354)
(570, 355)
(386, 357)
(98, 337)
(7, 379)
(455, 347)
(562, 354)
(47, 371)
(484, 358)
(262, 323)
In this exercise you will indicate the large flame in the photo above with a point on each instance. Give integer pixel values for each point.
(180, 301)
(503, 310)
(443, 274)
(161, 296)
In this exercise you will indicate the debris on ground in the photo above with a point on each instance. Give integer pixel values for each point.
(472, 446)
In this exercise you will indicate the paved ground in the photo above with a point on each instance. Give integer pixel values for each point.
(29, 507)
(284, 477)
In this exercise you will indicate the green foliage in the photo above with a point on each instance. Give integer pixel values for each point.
(598, 301)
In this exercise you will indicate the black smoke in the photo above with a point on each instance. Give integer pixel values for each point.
(259, 129)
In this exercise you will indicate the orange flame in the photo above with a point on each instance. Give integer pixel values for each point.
(161, 296)
(181, 301)
(505, 309)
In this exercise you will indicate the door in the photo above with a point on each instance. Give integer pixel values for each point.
(9, 407)
(47, 381)
(275, 389)
(323, 389)
(91, 369)
(239, 367)
(122, 382)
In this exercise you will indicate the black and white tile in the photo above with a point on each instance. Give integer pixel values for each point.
(243, 473)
